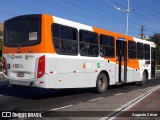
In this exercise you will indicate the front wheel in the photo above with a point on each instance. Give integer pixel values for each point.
(144, 78)
(102, 83)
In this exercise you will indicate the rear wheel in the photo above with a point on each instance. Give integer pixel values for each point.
(102, 83)
(144, 78)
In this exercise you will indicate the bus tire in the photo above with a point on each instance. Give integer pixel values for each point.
(144, 78)
(102, 83)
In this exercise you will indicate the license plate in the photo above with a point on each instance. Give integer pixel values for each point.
(20, 74)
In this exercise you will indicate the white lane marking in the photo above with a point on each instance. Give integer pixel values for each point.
(95, 99)
(119, 94)
(130, 104)
(61, 107)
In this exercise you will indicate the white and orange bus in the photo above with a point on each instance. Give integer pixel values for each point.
(50, 52)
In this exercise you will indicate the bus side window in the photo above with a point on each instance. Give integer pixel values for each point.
(65, 39)
(131, 50)
(140, 50)
(88, 43)
(106, 46)
(146, 52)
(56, 39)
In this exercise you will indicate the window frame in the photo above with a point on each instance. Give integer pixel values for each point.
(85, 42)
(132, 50)
(142, 51)
(59, 38)
(24, 17)
(104, 35)
(146, 51)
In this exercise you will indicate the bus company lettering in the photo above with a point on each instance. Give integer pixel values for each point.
(14, 56)
(29, 57)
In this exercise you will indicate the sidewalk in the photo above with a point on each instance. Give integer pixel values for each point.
(148, 108)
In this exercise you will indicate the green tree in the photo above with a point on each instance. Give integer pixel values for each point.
(156, 38)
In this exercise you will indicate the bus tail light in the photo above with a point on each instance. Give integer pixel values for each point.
(41, 66)
(4, 63)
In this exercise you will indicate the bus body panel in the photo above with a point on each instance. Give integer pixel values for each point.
(40, 82)
(143, 63)
(22, 63)
(67, 71)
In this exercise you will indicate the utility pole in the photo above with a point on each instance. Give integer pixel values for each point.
(128, 10)
(142, 29)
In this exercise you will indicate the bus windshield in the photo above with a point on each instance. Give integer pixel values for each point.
(23, 31)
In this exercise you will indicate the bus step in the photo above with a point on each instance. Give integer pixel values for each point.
(120, 83)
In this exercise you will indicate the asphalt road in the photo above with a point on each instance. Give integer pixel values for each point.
(35, 99)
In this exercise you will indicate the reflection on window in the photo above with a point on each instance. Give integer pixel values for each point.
(139, 50)
(106, 46)
(65, 39)
(22, 32)
(132, 49)
(146, 52)
(88, 43)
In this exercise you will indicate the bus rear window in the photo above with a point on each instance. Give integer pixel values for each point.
(22, 31)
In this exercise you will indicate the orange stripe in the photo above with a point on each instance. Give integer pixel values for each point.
(133, 63)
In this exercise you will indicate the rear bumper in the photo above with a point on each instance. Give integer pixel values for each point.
(38, 82)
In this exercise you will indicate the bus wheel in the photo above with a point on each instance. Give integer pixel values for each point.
(144, 78)
(102, 83)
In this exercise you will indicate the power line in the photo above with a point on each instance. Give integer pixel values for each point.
(80, 14)
(127, 11)
(29, 7)
(147, 18)
(157, 3)
(81, 8)
(100, 10)
(48, 3)
(23, 6)
(119, 4)
(125, 7)
(147, 11)
(26, 7)
(6, 12)
(87, 10)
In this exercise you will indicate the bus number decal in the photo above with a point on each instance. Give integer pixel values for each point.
(88, 65)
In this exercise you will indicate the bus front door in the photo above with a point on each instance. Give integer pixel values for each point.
(121, 61)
